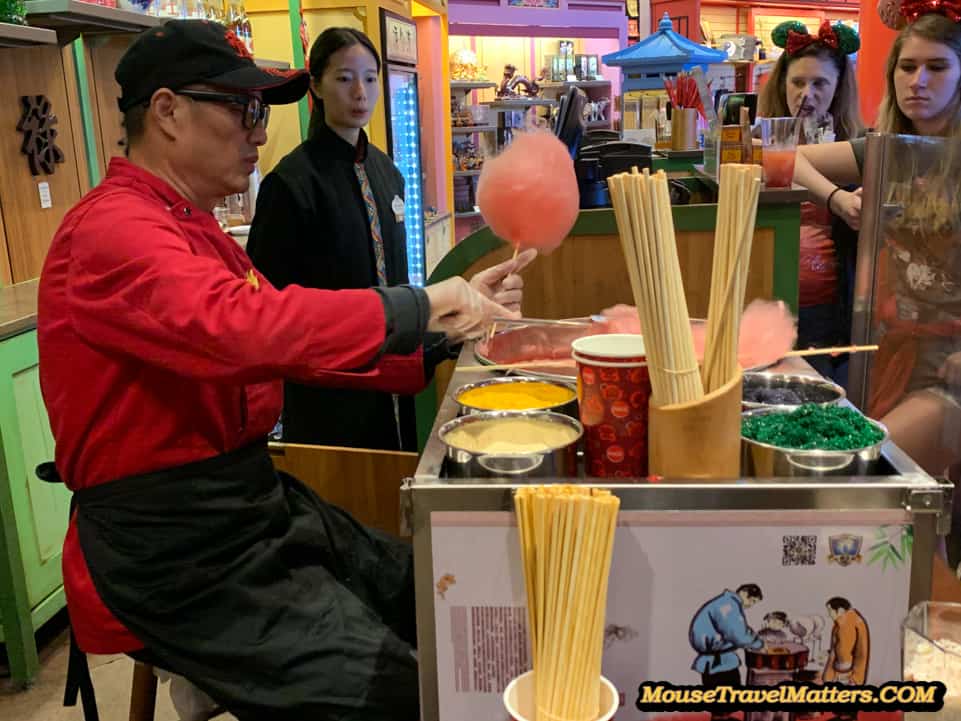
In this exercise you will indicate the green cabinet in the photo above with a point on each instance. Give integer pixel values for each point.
(33, 514)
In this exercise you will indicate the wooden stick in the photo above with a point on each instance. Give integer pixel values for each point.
(490, 337)
(831, 351)
(685, 357)
(732, 260)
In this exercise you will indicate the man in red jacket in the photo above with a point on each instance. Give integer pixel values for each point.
(162, 353)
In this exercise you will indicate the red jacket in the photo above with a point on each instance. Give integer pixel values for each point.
(160, 345)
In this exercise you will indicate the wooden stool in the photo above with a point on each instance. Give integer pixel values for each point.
(143, 694)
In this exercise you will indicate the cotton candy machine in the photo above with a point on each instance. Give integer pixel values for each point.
(931, 651)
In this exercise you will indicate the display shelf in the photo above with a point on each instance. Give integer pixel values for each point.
(576, 84)
(468, 214)
(18, 36)
(273, 64)
(468, 85)
(70, 18)
(435, 219)
(470, 129)
(466, 173)
(513, 104)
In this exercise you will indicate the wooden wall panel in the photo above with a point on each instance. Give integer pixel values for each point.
(104, 54)
(365, 483)
(571, 283)
(6, 274)
(29, 228)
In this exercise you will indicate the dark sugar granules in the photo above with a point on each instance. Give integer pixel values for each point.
(774, 391)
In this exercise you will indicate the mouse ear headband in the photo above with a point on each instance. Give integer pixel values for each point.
(794, 37)
(898, 13)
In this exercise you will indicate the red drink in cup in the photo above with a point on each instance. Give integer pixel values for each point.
(778, 148)
(613, 391)
(778, 167)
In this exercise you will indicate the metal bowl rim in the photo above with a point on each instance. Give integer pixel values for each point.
(455, 394)
(803, 379)
(817, 451)
(551, 416)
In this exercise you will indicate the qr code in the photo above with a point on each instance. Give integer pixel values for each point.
(799, 550)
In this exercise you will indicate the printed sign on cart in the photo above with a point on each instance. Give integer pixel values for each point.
(690, 594)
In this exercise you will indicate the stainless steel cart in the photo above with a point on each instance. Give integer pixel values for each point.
(471, 626)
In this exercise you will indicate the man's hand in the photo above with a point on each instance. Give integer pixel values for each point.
(460, 311)
(501, 283)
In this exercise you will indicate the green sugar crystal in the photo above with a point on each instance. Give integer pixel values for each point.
(829, 428)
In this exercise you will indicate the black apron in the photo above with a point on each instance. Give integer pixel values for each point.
(239, 578)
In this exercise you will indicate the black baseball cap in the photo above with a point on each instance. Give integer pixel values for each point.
(183, 52)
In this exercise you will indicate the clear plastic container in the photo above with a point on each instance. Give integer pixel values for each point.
(931, 651)
(481, 114)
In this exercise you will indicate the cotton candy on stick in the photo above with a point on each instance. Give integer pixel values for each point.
(528, 194)
(767, 331)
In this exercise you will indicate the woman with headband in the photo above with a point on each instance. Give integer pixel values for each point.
(814, 80)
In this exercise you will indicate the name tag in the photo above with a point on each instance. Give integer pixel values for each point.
(398, 207)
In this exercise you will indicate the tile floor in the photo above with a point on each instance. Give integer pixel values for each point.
(43, 700)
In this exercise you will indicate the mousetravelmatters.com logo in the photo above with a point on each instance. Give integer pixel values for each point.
(791, 696)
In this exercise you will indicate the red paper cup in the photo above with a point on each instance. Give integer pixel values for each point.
(519, 699)
(613, 390)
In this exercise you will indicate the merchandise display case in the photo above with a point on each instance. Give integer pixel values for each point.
(473, 138)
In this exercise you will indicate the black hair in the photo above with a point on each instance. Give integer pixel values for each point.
(326, 44)
(752, 590)
(776, 616)
(134, 121)
(839, 604)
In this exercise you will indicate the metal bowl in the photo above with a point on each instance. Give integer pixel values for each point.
(568, 408)
(559, 462)
(815, 385)
(762, 460)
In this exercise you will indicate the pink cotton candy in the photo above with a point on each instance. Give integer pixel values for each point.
(528, 194)
(768, 332)
(622, 319)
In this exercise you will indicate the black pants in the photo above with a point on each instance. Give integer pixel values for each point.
(279, 606)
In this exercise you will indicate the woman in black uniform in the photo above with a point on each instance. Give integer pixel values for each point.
(331, 215)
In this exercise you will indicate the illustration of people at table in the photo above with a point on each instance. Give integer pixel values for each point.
(775, 629)
(850, 651)
(718, 630)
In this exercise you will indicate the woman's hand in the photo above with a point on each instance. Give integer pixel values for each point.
(950, 370)
(460, 311)
(501, 283)
(847, 206)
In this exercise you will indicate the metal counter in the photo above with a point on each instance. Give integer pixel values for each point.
(903, 495)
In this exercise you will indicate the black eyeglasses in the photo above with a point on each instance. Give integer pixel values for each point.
(256, 112)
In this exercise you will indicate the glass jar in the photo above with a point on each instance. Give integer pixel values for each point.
(931, 651)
